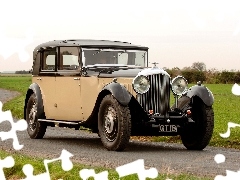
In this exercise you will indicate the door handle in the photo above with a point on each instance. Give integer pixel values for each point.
(76, 78)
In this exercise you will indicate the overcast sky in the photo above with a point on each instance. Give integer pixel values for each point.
(177, 33)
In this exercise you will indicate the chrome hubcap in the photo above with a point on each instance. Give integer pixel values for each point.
(110, 123)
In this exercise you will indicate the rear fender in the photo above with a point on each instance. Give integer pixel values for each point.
(34, 88)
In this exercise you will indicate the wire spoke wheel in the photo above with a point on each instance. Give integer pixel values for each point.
(114, 124)
(36, 129)
(110, 123)
(32, 115)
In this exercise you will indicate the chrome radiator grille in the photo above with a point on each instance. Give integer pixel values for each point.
(158, 96)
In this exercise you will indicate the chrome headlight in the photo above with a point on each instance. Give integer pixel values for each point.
(179, 85)
(141, 84)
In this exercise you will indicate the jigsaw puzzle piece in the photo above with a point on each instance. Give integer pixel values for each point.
(10, 46)
(230, 125)
(66, 164)
(8, 162)
(236, 89)
(20, 125)
(3, 116)
(87, 173)
(28, 171)
(137, 167)
(230, 175)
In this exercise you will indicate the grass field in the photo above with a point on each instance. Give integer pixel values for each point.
(226, 109)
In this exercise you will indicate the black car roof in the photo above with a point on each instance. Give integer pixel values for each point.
(88, 43)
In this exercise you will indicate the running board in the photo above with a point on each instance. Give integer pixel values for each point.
(63, 122)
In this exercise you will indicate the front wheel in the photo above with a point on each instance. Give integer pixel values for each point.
(36, 129)
(198, 135)
(114, 124)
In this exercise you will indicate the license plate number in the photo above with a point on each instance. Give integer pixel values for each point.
(167, 128)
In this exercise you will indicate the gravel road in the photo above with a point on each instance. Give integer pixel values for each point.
(6, 95)
(87, 148)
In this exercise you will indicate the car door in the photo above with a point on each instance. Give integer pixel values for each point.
(68, 93)
(46, 81)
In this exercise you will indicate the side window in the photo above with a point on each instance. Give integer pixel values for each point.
(48, 59)
(69, 58)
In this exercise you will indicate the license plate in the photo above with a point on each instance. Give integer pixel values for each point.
(167, 128)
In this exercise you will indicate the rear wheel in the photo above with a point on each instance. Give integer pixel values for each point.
(198, 135)
(36, 129)
(114, 124)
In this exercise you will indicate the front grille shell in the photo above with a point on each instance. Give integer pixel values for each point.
(158, 96)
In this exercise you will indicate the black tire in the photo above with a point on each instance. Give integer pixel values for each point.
(36, 129)
(198, 135)
(114, 124)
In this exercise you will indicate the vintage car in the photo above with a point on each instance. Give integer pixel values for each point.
(107, 86)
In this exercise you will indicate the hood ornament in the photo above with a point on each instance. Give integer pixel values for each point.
(155, 64)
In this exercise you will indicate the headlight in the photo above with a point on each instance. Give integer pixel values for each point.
(141, 84)
(179, 85)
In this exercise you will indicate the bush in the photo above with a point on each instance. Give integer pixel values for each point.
(226, 77)
(211, 76)
(237, 77)
(193, 76)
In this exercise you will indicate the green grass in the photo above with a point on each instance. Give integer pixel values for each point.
(226, 109)
(56, 171)
(16, 83)
(21, 84)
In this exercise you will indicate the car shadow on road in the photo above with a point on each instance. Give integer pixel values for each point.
(133, 146)
(138, 146)
(67, 137)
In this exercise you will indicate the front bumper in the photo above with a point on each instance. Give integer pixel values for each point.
(171, 124)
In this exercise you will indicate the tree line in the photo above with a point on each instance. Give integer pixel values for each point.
(198, 72)
(22, 72)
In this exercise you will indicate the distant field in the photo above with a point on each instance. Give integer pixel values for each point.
(226, 109)
(11, 74)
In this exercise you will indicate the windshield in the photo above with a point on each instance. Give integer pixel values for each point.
(114, 57)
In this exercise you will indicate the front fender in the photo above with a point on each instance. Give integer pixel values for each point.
(34, 88)
(119, 92)
(202, 92)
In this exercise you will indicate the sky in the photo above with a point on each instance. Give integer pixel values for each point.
(178, 33)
